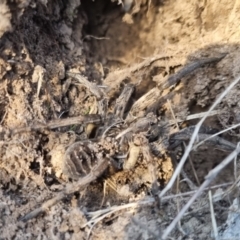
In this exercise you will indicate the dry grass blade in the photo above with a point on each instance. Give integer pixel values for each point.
(234, 186)
(214, 222)
(189, 182)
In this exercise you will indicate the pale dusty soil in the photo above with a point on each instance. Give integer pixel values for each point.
(42, 40)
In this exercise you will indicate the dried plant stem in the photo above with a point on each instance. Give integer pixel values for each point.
(189, 182)
(216, 134)
(91, 118)
(197, 115)
(214, 222)
(103, 213)
(93, 88)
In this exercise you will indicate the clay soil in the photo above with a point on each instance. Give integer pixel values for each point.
(111, 44)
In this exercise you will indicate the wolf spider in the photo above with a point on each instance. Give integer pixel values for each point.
(85, 161)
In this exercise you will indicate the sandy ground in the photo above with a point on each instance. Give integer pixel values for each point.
(110, 45)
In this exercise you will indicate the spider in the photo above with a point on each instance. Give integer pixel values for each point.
(86, 160)
(115, 136)
(111, 142)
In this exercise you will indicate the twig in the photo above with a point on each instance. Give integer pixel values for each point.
(189, 182)
(197, 115)
(230, 189)
(4, 115)
(178, 178)
(91, 118)
(215, 141)
(214, 223)
(216, 134)
(93, 88)
(235, 165)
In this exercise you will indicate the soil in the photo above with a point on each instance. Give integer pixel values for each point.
(111, 44)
